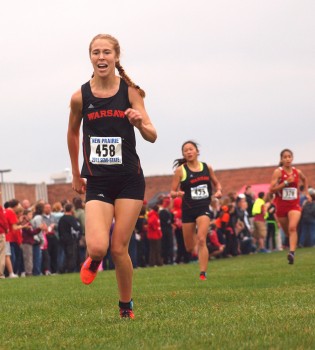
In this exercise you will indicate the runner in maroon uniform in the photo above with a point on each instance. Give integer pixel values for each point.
(193, 182)
(110, 107)
(285, 184)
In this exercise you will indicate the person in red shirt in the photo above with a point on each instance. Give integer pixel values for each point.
(285, 185)
(3, 231)
(14, 236)
(155, 237)
(214, 246)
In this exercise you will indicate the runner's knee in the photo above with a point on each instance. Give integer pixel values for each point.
(97, 252)
(201, 241)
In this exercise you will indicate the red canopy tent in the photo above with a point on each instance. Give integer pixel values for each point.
(256, 188)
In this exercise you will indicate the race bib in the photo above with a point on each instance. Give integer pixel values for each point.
(106, 150)
(289, 193)
(200, 192)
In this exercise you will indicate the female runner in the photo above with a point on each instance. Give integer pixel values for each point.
(110, 107)
(285, 184)
(193, 182)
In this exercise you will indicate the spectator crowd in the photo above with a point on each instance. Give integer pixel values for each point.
(45, 239)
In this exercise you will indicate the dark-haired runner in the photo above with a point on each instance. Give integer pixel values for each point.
(285, 184)
(193, 182)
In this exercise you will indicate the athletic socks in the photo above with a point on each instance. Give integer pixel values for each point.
(128, 305)
(94, 265)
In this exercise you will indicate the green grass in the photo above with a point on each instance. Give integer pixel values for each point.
(248, 302)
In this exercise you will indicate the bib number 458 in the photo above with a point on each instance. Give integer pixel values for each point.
(104, 150)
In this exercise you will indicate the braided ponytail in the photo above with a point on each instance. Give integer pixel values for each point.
(129, 82)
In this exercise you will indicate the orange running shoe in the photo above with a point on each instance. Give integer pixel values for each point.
(89, 270)
(125, 309)
(203, 276)
(126, 313)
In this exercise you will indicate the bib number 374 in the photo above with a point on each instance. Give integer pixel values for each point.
(106, 150)
(289, 193)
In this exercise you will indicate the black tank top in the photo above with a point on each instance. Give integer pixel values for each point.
(109, 143)
(197, 187)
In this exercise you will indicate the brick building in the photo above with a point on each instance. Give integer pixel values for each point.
(232, 180)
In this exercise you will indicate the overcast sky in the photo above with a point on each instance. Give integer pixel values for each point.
(237, 76)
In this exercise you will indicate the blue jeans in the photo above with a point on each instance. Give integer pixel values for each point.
(307, 238)
(17, 258)
(37, 260)
(133, 250)
(61, 257)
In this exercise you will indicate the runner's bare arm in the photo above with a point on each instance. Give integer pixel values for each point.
(274, 185)
(73, 138)
(305, 184)
(215, 182)
(175, 192)
(138, 116)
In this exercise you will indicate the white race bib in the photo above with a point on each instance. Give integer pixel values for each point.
(289, 193)
(200, 192)
(106, 150)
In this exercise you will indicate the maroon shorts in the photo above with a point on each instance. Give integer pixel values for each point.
(283, 210)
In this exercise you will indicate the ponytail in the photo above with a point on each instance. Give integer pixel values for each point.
(178, 162)
(126, 78)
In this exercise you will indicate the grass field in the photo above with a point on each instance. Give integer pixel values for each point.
(248, 302)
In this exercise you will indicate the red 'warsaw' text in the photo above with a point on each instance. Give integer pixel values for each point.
(200, 178)
(106, 113)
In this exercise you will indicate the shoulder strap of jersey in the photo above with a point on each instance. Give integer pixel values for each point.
(86, 92)
(184, 173)
(295, 171)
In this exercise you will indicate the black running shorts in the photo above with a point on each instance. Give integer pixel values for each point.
(191, 214)
(109, 188)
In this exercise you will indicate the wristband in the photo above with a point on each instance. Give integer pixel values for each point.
(286, 183)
